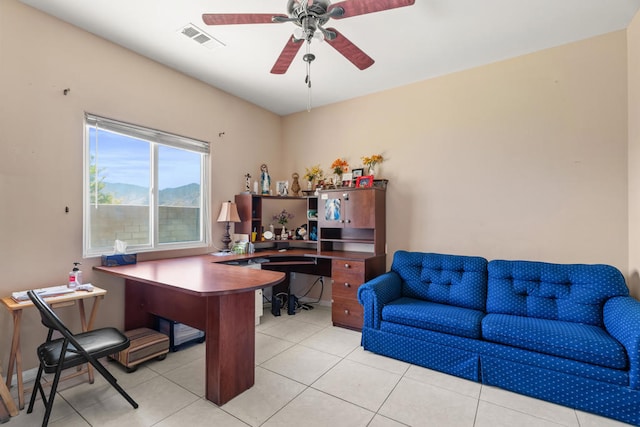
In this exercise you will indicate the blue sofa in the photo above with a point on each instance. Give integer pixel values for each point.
(565, 333)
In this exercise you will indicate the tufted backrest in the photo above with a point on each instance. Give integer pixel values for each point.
(568, 292)
(446, 279)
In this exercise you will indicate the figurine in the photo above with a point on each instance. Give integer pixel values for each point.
(301, 232)
(295, 187)
(247, 183)
(265, 180)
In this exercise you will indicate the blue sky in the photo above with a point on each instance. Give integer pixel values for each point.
(123, 159)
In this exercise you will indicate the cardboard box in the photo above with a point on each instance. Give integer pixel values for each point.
(118, 259)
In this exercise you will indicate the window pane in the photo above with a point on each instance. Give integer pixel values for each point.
(179, 176)
(143, 186)
(119, 181)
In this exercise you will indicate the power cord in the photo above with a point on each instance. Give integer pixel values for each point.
(307, 305)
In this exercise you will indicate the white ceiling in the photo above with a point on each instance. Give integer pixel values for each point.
(430, 38)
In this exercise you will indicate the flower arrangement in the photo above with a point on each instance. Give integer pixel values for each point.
(283, 217)
(372, 161)
(339, 166)
(313, 173)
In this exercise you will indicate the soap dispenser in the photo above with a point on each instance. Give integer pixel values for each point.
(75, 276)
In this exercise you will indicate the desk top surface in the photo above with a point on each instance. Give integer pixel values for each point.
(12, 305)
(202, 275)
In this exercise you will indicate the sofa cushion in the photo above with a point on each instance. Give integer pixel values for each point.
(447, 279)
(584, 343)
(448, 319)
(568, 292)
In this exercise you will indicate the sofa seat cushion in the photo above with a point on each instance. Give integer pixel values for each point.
(448, 319)
(584, 343)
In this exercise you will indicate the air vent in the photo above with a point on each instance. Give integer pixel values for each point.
(200, 37)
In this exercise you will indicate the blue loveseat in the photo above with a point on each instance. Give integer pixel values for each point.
(565, 333)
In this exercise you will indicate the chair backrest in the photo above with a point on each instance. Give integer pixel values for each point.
(49, 318)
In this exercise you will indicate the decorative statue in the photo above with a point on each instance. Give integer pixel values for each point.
(247, 183)
(295, 187)
(265, 180)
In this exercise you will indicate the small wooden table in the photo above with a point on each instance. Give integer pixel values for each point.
(15, 308)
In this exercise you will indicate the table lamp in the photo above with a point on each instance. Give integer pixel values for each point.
(228, 214)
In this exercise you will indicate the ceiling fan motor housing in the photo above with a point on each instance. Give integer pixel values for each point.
(301, 9)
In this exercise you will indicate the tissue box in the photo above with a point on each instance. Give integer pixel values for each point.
(119, 259)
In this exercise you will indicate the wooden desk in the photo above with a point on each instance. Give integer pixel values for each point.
(348, 270)
(206, 295)
(15, 357)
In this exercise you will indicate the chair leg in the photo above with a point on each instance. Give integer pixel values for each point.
(52, 396)
(113, 381)
(37, 387)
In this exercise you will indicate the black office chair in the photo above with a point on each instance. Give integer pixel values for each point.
(70, 351)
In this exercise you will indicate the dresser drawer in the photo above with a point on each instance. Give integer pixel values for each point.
(348, 271)
(347, 313)
(347, 290)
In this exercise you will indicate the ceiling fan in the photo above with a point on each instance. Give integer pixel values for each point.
(311, 16)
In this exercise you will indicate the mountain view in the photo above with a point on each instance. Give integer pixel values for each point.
(129, 194)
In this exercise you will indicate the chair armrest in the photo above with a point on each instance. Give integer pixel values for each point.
(621, 320)
(377, 292)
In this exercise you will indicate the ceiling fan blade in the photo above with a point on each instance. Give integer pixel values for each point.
(350, 50)
(360, 7)
(239, 18)
(286, 56)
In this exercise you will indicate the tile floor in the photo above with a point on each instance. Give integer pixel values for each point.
(308, 373)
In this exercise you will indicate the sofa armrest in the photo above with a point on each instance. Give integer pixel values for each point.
(377, 292)
(621, 320)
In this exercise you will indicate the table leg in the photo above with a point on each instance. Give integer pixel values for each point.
(6, 399)
(230, 341)
(15, 358)
(88, 326)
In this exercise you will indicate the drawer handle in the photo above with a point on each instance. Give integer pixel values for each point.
(346, 285)
(347, 266)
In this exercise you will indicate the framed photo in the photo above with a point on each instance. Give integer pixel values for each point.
(282, 187)
(356, 173)
(364, 181)
(347, 179)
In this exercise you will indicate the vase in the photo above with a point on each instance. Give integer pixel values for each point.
(284, 235)
(338, 180)
(372, 169)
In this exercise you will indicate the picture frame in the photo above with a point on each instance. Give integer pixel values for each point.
(282, 188)
(364, 181)
(355, 173)
(347, 179)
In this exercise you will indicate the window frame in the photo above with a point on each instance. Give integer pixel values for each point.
(155, 138)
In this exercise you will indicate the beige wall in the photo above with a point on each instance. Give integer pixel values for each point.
(521, 159)
(41, 146)
(525, 158)
(633, 49)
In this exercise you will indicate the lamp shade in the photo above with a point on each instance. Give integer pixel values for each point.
(228, 212)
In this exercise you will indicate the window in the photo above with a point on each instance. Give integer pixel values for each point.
(145, 187)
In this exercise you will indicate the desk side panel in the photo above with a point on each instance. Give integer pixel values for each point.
(143, 302)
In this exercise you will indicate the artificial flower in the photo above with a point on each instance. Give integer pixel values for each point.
(339, 166)
(283, 217)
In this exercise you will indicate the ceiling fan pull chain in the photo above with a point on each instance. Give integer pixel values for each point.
(308, 57)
